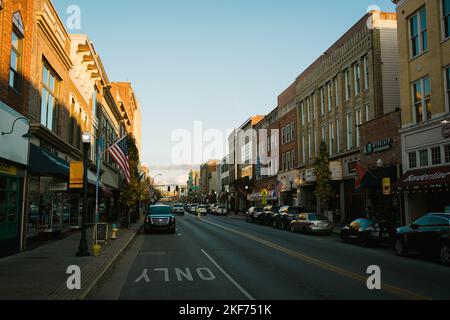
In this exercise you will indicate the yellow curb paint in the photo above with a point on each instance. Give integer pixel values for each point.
(323, 265)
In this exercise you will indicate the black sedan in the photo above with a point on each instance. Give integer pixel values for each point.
(269, 214)
(430, 236)
(366, 232)
(160, 218)
(253, 214)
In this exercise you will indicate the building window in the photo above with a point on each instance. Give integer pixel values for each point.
(313, 105)
(357, 76)
(324, 134)
(310, 146)
(436, 158)
(366, 73)
(422, 100)
(16, 61)
(310, 108)
(283, 162)
(447, 76)
(315, 142)
(336, 91)
(302, 111)
(330, 96)
(331, 134)
(447, 153)
(358, 126)
(304, 149)
(338, 136)
(322, 101)
(48, 98)
(349, 132)
(446, 17)
(418, 32)
(288, 161)
(412, 160)
(367, 112)
(292, 131)
(94, 102)
(423, 157)
(347, 84)
(293, 159)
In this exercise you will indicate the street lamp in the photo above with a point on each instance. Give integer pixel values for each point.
(83, 250)
(246, 198)
(25, 136)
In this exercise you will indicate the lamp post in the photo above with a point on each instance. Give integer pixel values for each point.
(291, 197)
(246, 198)
(83, 250)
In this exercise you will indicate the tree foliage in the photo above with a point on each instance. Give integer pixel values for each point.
(324, 192)
(136, 191)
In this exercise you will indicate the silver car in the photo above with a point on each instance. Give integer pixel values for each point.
(312, 223)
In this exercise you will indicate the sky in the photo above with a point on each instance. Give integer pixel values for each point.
(214, 61)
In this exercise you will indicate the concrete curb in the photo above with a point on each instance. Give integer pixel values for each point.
(92, 285)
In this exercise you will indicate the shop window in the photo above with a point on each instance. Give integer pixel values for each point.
(436, 158)
(418, 32)
(447, 153)
(423, 157)
(412, 160)
(9, 205)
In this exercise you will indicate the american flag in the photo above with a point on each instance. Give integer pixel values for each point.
(119, 152)
(278, 189)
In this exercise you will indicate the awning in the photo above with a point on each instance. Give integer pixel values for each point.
(373, 178)
(433, 178)
(45, 164)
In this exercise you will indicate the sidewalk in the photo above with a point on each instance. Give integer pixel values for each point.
(40, 274)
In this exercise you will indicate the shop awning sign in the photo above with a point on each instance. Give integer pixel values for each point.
(76, 174)
(8, 170)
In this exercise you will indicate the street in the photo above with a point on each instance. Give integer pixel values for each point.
(219, 258)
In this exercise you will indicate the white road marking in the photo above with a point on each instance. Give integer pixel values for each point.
(244, 292)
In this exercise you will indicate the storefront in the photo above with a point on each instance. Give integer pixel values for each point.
(14, 151)
(425, 191)
(290, 181)
(265, 192)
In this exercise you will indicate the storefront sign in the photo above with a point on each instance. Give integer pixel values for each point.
(379, 146)
(9, 170)
(76, 174)
(446, 131)
(310, 175)
(387, 186)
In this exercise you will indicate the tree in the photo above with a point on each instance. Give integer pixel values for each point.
(324, 192)
(137, 191)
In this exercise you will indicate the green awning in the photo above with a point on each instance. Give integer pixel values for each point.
(45, 164)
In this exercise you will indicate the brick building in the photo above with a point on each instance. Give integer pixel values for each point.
(16, 29)
(354, 81)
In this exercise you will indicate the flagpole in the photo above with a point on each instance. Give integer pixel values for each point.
(99, 157)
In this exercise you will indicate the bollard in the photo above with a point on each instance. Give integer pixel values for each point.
(114, 232)
(96, 249)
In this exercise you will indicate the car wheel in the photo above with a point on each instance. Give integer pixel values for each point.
(292, 229)
(445, 254)
(364, 241)
(400, 248)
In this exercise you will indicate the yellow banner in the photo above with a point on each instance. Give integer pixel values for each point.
(9, 170)
(76, 174)
(387, 186)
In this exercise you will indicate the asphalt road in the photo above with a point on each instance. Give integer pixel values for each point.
(217, 258)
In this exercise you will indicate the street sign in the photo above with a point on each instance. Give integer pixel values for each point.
(76, 175)
(101, 233)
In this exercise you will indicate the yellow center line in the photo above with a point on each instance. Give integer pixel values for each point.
(323, 265)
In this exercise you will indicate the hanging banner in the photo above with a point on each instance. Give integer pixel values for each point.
(387, 190)
(76, 175)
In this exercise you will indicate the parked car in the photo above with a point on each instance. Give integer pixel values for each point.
(286, 215)
(221, 211)
(428, 236)
(203, 210)
(253, 214)
(212, 208)
(268, 214)
(160, 218)
(178, 209)
(193, 208)
(312, 223)
(367, 232)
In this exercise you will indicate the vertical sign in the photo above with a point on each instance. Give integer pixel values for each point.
(76, 175)
(387, 186)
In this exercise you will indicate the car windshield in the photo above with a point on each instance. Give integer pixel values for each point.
(160, 210)
(317, 217)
